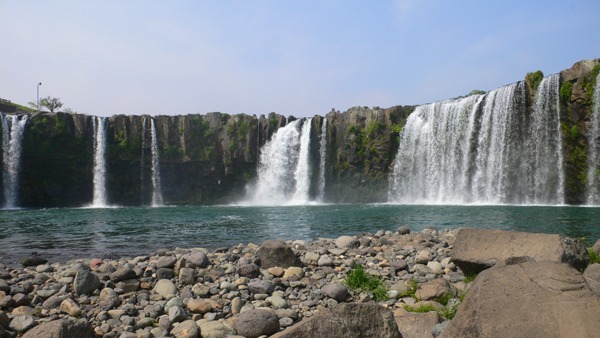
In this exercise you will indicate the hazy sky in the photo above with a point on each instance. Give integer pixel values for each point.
(292, 57)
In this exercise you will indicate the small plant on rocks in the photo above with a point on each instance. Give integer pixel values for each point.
(412, 289)
(593, 256)
(358, 278)
(470, 277)
(421, 308)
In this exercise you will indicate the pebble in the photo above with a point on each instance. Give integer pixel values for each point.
(196, 293)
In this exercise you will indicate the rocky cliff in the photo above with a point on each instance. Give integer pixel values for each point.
(212, 158)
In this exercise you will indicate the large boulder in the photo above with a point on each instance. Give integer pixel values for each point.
(435, 289)
(255, 323)
(592, 278)
(530, 299)
(417, 325)
(62, 329)
(347, 320)
(276, 253)
(478, 249)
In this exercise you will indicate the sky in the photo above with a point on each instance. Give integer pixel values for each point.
(299, 58)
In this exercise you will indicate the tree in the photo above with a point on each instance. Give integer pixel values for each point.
(52, 103)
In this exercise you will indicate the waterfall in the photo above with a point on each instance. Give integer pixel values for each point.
(483, 149)
(284, 167)
(322, 159)
(546, 146)
(157, 198)
(432, 162)
(302, 172)
(593, 173)
(13, 128)
(143, 161)
(99, 200)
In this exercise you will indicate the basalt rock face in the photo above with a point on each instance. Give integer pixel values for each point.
(362, 144)
(213, 158)
(576, 94)
(203, 158)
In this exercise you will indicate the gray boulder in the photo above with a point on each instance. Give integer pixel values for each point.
(257, 322)
(336, 291)
(196, 259)
(122, 274)
(348, 320)
(248, 270)
(276, 253)
(62, 329)
(261, 286)
(478, 249)
(344, 242)
(531, 299)
(22, 323)
(86, 282)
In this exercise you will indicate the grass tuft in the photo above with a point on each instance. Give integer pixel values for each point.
(358, 278)
(470, 277)
(593, 256)
(412, 290)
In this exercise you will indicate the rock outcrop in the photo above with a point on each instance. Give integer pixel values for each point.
(478, 249)
(531, 299)
(347, 320)
(211, 158)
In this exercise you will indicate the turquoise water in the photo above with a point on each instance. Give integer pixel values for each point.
(61, 234)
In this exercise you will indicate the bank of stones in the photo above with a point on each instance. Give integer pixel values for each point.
(229, 291)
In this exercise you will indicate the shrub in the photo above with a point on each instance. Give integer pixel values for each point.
(534, 79)
(565, 91)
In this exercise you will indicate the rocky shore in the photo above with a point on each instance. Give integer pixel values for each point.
(303, 289)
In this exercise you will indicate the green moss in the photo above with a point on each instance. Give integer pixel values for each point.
(421, 308)
(373, 128)
(534, 79)
(565, 91)
(574, 133)
(589, 83)
(209, 153)
(273, 124)
(477, 92)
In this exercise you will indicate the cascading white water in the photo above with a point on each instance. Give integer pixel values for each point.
(483, 149)
(593, 172)
(157, 198)
(303, 169)
(99, 200)
(322, 159)
(545, 146)
(284, 173)
(143, 161)
(13, 128)
(432, 160)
